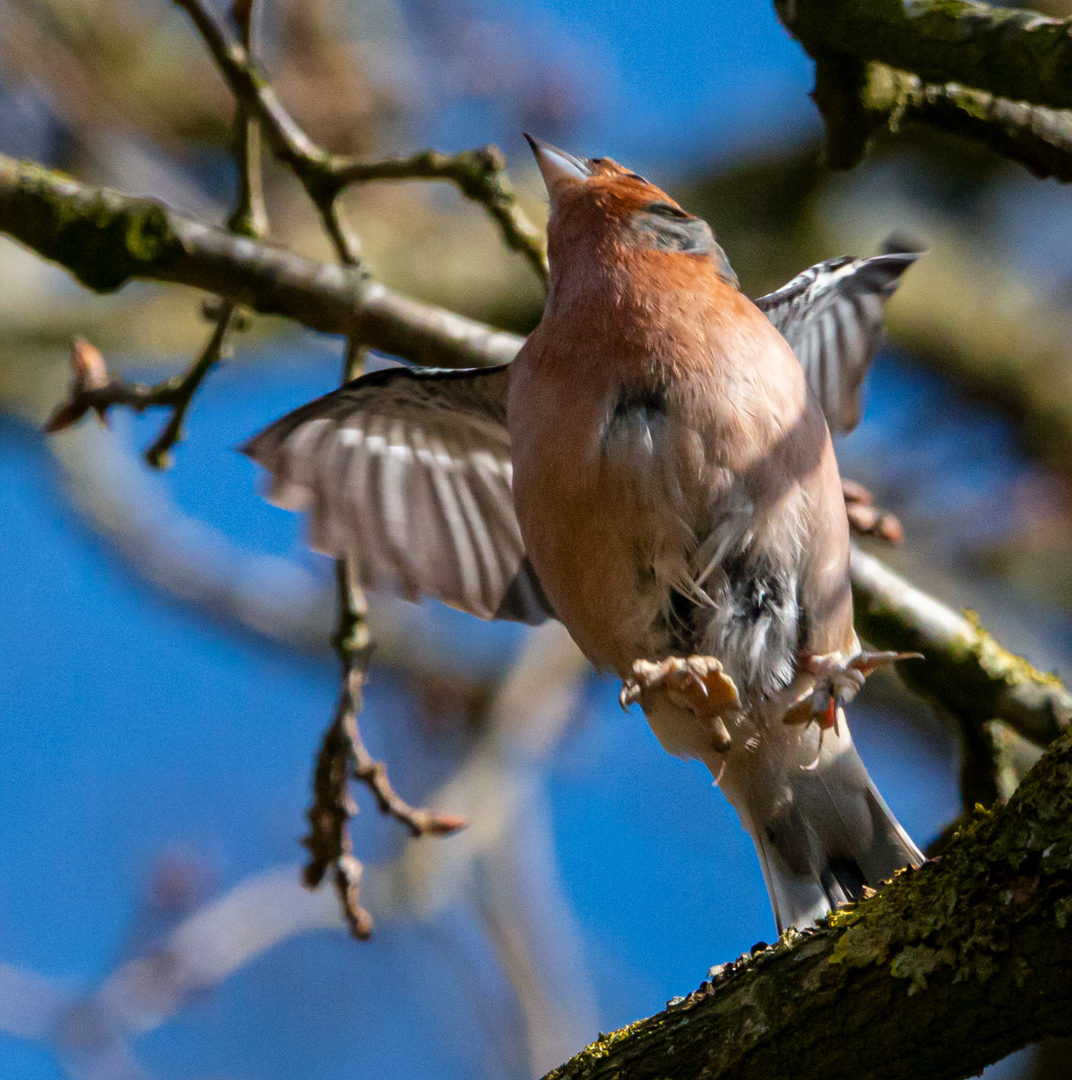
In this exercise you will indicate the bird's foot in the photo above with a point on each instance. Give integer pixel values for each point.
(837, 681)
(697, 683)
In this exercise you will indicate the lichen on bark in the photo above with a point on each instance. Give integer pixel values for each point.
(947, 969)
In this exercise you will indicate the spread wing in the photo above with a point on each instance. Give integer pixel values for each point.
(831, 315)
(406, 473)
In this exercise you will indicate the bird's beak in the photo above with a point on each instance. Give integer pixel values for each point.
(557, 167)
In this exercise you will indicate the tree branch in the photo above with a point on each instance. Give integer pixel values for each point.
(883, 62)
(91, 386)
(1038, 138)
(329, 843)
(107, 239)
(343, 752)
(964, 669)
(948, 969)
(480, 175)
(1009, 53)
(250, 217)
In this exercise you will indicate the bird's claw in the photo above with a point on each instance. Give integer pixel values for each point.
(697, 683)
(837, 681)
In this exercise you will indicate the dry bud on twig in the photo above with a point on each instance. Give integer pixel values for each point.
(89, 381)
(866, 519)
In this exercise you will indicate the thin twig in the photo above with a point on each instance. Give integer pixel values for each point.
(94, 389)
(329, 841)
(419, 820)
(289, 142)
(343, 751)
(348, 249)
(250, 217)
(185, 387)
(343, 754)
(478, 174)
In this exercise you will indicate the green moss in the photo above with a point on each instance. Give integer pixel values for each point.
(103, 238)
(147, 234)
(1000, 663)
(860, 946)
(601, 1048)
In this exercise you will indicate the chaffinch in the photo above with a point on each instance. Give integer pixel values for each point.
(655, 470)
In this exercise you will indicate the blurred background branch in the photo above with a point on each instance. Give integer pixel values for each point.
(965, 670)
(997, 75)
(478, 174)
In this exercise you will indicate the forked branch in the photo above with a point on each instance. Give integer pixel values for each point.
(480, 175)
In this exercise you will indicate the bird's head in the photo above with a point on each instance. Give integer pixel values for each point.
(602, 209)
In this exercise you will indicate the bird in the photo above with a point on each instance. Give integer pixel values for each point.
(654, 470)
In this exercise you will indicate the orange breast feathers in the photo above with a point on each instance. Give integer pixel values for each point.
(652, 395)
(610, 520)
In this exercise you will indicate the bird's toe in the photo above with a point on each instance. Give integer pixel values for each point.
(697, 683)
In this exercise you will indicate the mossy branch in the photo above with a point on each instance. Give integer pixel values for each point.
(1038, 138)
(964, 669)
(1007, 52)
(994, 75)
(106, 239)
(949, 968)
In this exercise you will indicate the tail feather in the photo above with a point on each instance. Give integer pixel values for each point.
(822, 832)
(821, 829)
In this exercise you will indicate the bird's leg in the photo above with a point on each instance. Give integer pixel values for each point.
(837, 681)
(697, 683)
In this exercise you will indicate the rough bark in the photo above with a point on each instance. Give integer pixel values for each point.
(949, 968)
(1007, 52)
(994, 75)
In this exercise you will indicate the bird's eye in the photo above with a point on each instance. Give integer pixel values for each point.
(666, 210)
